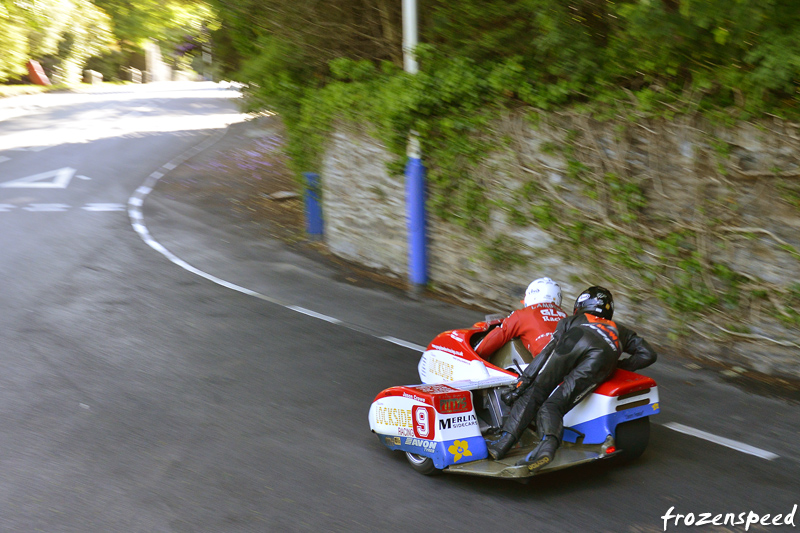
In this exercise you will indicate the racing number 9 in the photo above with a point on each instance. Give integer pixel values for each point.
(421, 423)
(424, 420)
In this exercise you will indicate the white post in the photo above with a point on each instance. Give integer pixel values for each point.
(410, 39)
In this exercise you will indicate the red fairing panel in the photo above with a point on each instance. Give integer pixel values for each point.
(624, 382)
(443, 398)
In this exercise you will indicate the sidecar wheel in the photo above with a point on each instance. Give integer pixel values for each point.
(422, 464)
(632, 438)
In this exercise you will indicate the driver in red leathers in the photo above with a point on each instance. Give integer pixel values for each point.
(584, 352)
(534, 324)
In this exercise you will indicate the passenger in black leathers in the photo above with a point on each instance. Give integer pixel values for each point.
(584, 351)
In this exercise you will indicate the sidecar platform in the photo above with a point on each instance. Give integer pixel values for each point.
(568, 455)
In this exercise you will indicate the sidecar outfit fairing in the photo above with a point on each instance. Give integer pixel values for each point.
(442, 424)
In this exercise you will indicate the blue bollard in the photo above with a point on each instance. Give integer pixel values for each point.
(415, 219)
(313, 207)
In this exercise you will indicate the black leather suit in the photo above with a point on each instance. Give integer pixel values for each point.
(583, 352)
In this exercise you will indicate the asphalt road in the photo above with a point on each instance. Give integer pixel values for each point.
(137, 395)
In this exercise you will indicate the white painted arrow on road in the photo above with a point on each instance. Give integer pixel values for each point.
(59, 179)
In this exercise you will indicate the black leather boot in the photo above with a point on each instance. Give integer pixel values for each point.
(542, 455)
(499, 448)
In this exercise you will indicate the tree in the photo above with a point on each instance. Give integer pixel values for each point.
(13, 40)
(63, 33)
(179, 27)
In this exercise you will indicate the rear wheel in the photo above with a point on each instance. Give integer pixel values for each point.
(423, 465)
(632, 438)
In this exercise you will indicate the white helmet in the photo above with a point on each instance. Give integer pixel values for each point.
(542, 291)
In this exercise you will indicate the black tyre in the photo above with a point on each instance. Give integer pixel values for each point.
(422, 464)
(632, 438)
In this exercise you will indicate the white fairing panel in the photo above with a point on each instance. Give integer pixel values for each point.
(393, 416)
(437, 366)
(596, 405)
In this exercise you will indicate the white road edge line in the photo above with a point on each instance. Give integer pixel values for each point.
(137, 222)
(722, 441)
(404, 344)
(309, 312)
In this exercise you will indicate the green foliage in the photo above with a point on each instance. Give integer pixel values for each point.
(167, 22)
(517, 217)
(789, 192)
(64, 34)
(548, 148)
(482, 57)
(687, 293)
(575, 169)
(793, 303)
(18, 90)
(320, 64)
(60, 32)
(544, 215)
(13, 40)
(503, 252)
(628, 198)
(107, 63)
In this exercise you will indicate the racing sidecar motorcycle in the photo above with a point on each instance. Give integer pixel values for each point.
(442, 424)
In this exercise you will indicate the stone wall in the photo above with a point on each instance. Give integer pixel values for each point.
(732, 191)
(363, 207)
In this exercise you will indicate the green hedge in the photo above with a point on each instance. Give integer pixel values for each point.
(625, 61)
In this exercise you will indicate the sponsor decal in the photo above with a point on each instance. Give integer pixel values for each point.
(414, 397)
(459, 449)
(456, 336)
(607, 330)
(397, 441)
(393, 416)
(441, 369)
(454, 405)
(584, 393)
(447, 350)
(427, 445)
(435, 389)
(633, 414)
(389, 441)
(552, 315)
(455, 422)
(655, 406)
(583, 298)
(424, 427)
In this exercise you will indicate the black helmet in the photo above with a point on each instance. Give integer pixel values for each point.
(595, 301)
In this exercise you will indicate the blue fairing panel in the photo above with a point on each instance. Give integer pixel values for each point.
(458, 451)
(598, 429)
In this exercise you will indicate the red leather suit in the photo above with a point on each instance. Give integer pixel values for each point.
(534, 325)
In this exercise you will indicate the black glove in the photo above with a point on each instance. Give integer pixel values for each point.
(512, 395)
